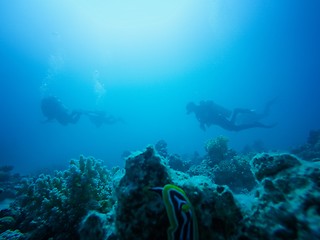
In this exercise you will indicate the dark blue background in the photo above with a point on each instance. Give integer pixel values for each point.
(150, 60)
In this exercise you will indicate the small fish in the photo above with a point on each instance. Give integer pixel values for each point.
(182, 218)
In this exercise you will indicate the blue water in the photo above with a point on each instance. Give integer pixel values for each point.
(144, 62)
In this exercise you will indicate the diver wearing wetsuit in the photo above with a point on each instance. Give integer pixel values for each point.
(53, 109)
(209, 113)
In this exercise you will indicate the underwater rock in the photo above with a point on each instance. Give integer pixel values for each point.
(235, 173)
(314, 137)
(139, 210)
(201, 170)
(162, 148)
(93, 227)
(6, 168)
(8, 182)
(8, 192)
(219, 215)
(5, 174)
(232, 170)
(176, 163)
(87, 201)
(311, 150)
(140, 213)
(144, 169)
(6, 222)
(265, 165)
(287, 204)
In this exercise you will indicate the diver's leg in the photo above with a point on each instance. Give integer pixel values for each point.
(253, 125)
(236, 111)
(261, 125)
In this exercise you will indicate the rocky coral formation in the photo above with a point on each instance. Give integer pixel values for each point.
(162, 148)
(223, 166)
(141, 214)
(8, 181)
(235, 173)
(174, 160)
(88, 201)
(287, 199)
(311, 150)
(177, 163)
(219, 215)
(139, 210)
(53, 206)
(266, 165)
(217, 150)
(94, 226)
(5, 173)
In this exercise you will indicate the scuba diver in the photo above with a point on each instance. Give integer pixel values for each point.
(254, 116)
(54, 109)
(209, 113)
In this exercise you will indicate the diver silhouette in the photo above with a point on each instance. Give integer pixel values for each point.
(53, 109)
(253, 116)
(209, 113)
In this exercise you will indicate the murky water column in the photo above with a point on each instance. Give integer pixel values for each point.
(99, 87)
(55, 65)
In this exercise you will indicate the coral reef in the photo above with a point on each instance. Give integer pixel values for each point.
(268, 196)
(311, 150)
(235, 173)
(217, 150)
(219, 215)
(93, 226)
(8, 181)
(177, 163)
(139, 210)
(53, 206)
(140, 214)
(223, 166)
(162, 148)
(266, 165)
(287, 199)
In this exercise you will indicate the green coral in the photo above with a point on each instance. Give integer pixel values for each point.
(217, 149)
(53, 206)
